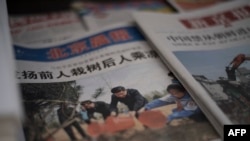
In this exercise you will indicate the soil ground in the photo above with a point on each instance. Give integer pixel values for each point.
(177, 130)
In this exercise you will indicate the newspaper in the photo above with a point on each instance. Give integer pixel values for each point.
(11, 112)
(95, 15)
(208, 51)
(88, 67)
(190, 5)
(45, 28)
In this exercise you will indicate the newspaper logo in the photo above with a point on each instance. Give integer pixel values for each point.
(236, 132)
(225, 18)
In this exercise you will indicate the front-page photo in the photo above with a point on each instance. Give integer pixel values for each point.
(114, 88)
(224, 73)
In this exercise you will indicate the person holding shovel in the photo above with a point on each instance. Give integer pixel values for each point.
(132, 98)
(66, 116)
(98, 107)
(186, 106)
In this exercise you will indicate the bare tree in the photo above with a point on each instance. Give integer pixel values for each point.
(39, 100)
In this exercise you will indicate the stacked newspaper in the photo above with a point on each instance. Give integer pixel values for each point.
(208, 51)
(61, 64)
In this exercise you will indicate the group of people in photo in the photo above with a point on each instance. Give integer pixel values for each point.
(136, 103)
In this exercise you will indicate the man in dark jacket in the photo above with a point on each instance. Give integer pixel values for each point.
(130, 97)
(97, 106)
(66, 116)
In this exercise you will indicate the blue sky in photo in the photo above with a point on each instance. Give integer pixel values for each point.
(211, 63)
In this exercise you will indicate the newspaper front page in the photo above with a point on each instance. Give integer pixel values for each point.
(208, 50)
(69, 89)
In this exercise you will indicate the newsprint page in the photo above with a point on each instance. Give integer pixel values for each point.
(106, 85)
(95, 15)
(10, 104)
(209, 52)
